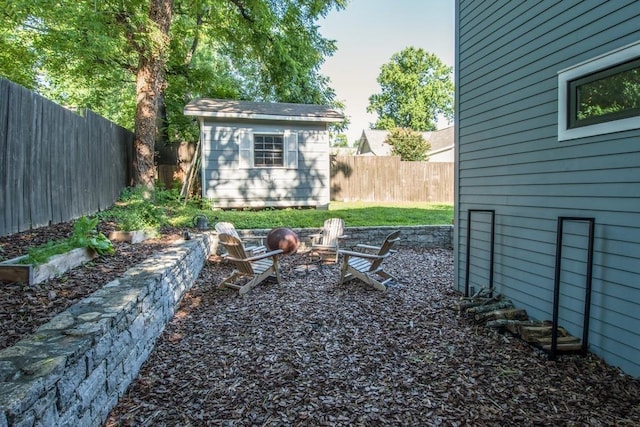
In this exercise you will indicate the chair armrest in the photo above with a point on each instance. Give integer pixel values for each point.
(257, 257)
(344, 236)
(375, 248)
(265, 255)
(362, 254)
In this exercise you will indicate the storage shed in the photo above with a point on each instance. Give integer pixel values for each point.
(548, 164)
(258, 154)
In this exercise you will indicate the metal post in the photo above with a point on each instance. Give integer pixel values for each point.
(556, 290)
(588, 284)
(492, 250)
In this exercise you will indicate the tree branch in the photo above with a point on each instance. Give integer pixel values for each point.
(243, 10)
(196, 39)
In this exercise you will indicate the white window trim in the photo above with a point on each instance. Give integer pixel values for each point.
(598, 63)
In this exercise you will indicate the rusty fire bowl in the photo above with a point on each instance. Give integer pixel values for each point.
(283, 238)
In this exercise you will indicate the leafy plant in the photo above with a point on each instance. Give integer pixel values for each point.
(135, 211)
(42, 253)
(408, 144)
(85, 235)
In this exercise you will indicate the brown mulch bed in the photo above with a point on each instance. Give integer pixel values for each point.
(311, 352)
(24, 308)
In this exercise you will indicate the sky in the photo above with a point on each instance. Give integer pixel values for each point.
(368, 33)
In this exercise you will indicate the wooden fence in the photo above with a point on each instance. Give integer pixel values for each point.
(387, 179)
(56, 165)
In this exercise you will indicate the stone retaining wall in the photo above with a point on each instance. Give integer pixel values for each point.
(419, 236)
(75, 368)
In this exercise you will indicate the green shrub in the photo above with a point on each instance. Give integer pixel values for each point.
(135, 211)
(85, 235)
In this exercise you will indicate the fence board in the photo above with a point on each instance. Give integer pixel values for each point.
(388, 179)
(39, 203)
(17, 131)
(56, 165)
(4, 161)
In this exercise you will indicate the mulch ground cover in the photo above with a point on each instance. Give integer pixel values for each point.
(24, 308)
(309, 351)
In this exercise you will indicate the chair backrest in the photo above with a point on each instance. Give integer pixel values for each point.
(226, 228)
(332, 229)
(234, 248)
(389, 243)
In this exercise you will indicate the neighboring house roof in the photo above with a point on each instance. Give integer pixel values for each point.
(226, 108)
(440, 140)
(372, 142)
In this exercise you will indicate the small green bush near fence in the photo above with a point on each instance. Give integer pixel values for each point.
(166, 208)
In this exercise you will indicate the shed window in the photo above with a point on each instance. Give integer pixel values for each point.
(601, 95)
(268, 150)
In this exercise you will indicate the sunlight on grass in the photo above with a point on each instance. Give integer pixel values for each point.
(375, 214)
(355, 215)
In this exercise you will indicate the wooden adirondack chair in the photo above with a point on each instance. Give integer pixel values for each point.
(326, 244)
(229, 228)
(257, 268)
(368, 266)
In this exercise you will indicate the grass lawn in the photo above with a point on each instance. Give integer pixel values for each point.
(133, 211)
(355, 214)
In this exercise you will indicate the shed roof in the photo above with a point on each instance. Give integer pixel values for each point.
(232, 109)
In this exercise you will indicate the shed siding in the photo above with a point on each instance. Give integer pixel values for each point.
(229, 185)
(509, 159)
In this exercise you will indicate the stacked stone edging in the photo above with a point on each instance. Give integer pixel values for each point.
(417, 236)
(74, 369)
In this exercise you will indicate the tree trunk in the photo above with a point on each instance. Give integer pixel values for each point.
(145, 132)
(150, 82)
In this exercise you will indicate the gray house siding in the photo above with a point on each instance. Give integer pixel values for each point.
(228, 184)
(510, 160)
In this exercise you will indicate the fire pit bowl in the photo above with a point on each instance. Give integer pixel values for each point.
(283, 238)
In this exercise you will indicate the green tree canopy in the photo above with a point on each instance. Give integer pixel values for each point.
(340, 140)
(410, 145)
(416, 89)
(139, 62)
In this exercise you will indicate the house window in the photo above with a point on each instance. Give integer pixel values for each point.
(607, 95)
(601, 95)
(268, 150)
